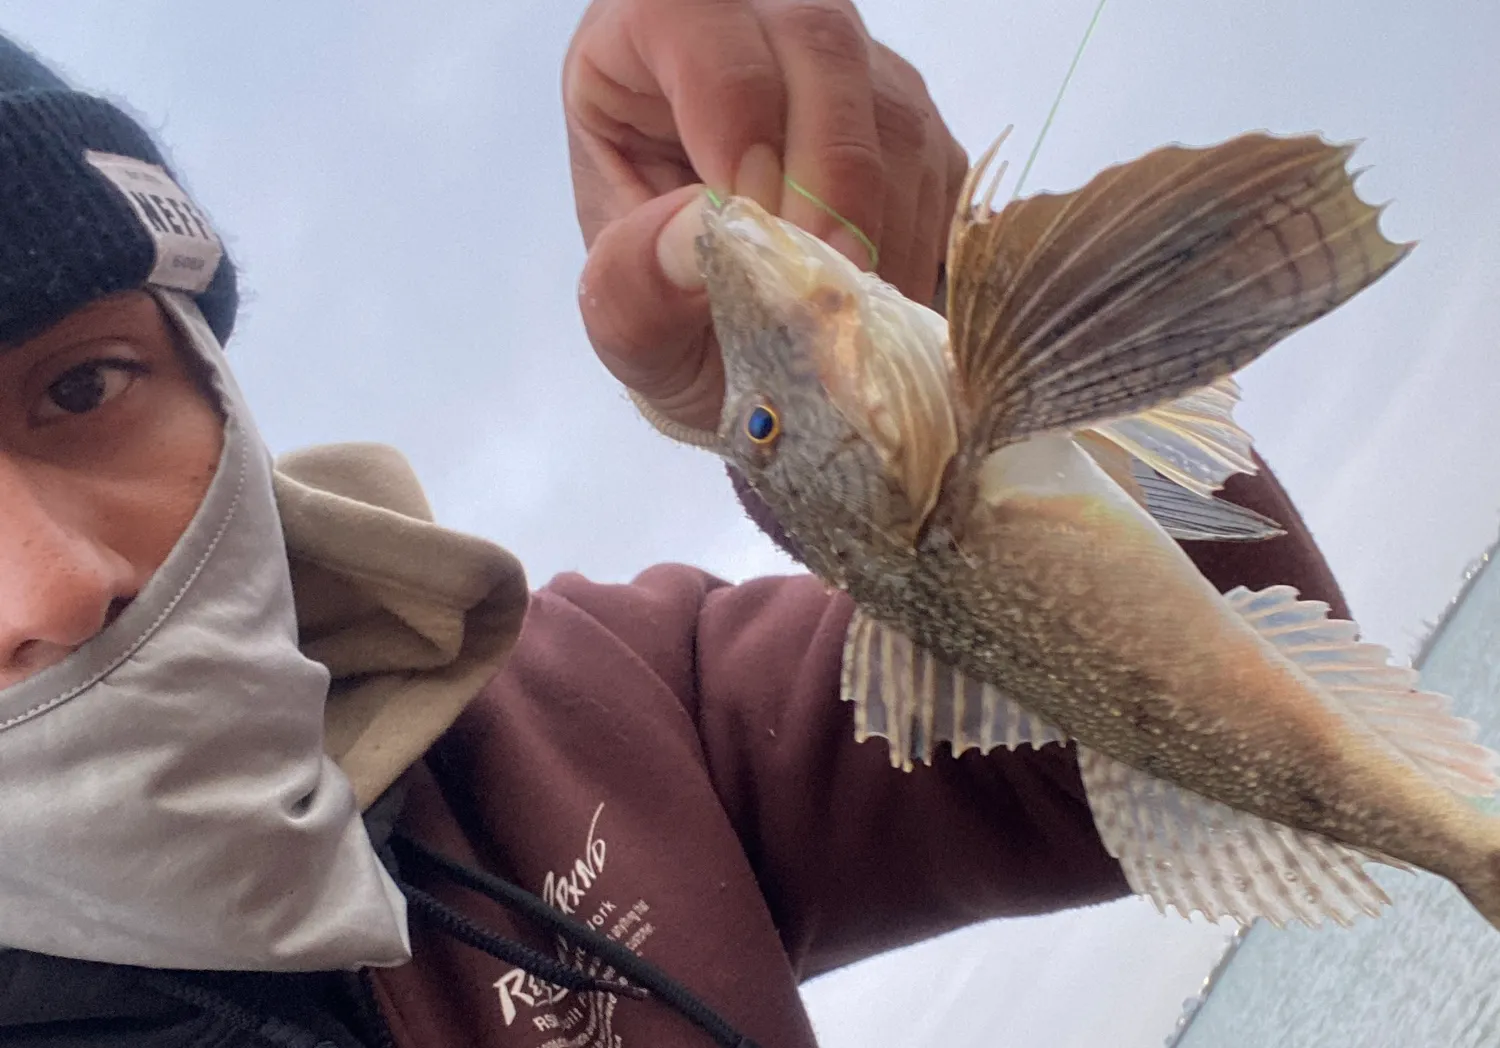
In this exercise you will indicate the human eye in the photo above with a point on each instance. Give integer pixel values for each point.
(86, 387)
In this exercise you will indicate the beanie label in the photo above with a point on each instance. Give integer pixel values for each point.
(188, 250)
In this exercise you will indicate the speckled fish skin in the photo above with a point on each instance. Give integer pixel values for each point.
(1024, 564)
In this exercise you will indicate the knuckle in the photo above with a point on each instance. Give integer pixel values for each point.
(903, 123)
(899, 73)
(829, 32)
(576, 81)
(749, 78)
(590, 96)
(853, 161)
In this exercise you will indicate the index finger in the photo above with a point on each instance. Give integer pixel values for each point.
(712, 62)
(833, 144)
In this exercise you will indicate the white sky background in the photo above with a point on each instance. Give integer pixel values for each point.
(392, 178)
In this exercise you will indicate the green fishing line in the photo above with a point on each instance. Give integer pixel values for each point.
(859, 234)
(1058, 100)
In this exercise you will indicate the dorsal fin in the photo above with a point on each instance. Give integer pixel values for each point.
(1157, 278)
(1359, 678)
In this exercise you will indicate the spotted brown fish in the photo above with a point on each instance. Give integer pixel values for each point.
(1000, 492)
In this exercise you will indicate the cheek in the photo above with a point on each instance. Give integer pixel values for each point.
(181, 460)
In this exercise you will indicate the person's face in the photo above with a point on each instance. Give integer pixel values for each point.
(108, 441)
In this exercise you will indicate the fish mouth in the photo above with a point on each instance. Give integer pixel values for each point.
(783, 263)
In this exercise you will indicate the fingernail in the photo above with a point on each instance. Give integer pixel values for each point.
(676, 246)
(759, 177)
(851, 247)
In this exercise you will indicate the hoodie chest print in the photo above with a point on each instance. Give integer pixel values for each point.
(558, 1018)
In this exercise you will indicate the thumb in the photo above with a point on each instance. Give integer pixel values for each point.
(646, 313)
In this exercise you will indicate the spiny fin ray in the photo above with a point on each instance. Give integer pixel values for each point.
(1188, 516)
(1157, 278)
(904, 694)
(1183, 850)
(1384, 698)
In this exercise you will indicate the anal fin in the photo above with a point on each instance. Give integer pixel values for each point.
(1192, 853)
(1181, 849)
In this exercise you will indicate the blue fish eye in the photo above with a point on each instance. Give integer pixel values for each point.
(762, 425)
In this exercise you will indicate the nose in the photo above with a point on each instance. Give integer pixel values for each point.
(59, 585)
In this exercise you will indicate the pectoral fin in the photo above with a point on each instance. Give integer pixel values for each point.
(1159, 277)
(1193, 441)
(1181, 512)
(1187, 516)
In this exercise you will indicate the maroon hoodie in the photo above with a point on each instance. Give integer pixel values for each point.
(669, 762)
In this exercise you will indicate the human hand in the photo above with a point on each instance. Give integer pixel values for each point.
(663, 97)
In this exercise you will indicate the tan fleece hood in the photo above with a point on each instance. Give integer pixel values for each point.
(411, 619)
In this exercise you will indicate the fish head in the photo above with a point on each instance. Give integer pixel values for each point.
(838, 391)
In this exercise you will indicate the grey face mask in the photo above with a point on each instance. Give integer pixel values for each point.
(165, 799)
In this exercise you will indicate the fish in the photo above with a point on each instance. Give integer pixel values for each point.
(1001, 485)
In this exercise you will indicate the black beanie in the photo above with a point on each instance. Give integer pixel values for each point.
(71, 228)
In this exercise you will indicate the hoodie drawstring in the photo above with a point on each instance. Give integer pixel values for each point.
(646, 977)
(456, 926)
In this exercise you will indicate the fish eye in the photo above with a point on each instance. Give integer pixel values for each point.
(762, 425)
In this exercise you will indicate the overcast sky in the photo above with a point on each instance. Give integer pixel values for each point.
(392, 179)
